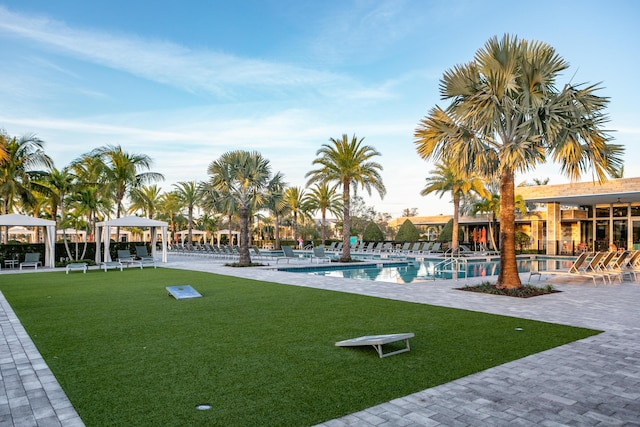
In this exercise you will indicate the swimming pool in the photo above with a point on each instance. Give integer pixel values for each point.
(428, 269)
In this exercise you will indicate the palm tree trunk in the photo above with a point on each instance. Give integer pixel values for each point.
(276, 233)
(456, 213)
(245, 257)
(190, 228)
(508, 277)
(346, 223)
(323, 227)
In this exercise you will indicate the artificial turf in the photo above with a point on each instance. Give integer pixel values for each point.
(259, 353)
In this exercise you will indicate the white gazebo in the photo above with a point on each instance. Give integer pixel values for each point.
(234, 234)
(17, 230)
(184, 234)
(29, 221)
(104, 229)
(73, 234)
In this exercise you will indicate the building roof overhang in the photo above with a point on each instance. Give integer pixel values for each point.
(624, 190)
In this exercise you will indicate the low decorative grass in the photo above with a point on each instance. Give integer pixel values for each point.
(526, 291)
(259, 353)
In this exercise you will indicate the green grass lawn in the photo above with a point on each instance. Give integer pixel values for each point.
(260, 353)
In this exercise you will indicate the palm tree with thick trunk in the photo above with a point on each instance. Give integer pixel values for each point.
(243, 177)
(446, 178)
(347, 163)
(508, 115)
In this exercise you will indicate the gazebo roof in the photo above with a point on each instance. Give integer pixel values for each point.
(27, 221)
(133, 221)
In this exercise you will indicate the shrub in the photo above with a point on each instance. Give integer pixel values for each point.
(447, 232)
(372, 233)
(522, 239)
(408, 232)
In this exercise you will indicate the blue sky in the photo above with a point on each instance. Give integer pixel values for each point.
(186, 81)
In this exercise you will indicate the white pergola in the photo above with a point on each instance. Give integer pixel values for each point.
(185, 234)
(29, 221)
(104, 229)
(220, 233)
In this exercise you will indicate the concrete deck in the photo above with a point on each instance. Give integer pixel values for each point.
(592, 382)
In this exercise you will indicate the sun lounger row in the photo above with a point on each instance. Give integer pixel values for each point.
(605, 266)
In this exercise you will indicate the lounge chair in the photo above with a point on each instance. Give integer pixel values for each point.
(435, 248)
(578, 269)
(319, 255)
(631, 266)
(288, 254)
(111, 264)
(125, 258)
(616, 267)
(405, 248)
(31, 259)
(145, 258)
(256, 254)
(75, 266)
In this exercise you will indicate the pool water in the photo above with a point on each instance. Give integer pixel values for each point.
(427, 270)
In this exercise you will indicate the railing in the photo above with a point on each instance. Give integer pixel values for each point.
(451, 265)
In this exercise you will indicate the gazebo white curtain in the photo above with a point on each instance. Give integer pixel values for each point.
(103, 231)
(29, 221)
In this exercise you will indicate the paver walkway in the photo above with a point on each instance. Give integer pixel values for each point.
(592, 382)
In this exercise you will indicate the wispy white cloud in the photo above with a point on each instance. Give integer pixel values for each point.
(164, 62)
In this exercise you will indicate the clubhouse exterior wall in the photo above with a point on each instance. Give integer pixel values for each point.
(569, 217)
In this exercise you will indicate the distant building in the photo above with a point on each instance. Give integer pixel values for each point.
(570, 218)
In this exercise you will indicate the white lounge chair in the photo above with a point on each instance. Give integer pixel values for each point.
(111, 264)
(75, 266)
(578, 269)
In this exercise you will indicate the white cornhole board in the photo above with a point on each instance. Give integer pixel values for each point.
(183, 292)
(377, 341)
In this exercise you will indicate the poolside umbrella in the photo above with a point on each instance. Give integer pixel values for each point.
(483, 235)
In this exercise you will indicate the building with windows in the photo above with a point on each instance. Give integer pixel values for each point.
(568, 218)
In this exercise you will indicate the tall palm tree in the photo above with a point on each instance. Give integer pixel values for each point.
(347, 163)
(446, 178)
(169, 209)
(189, 193)
(324, 198)
(125, 171)
(23, 158)
(507, 115)
(20, 159)
(145, 198)
(294, 199)
(274, 203)
(243, 176)
(92, 196)
(57, 185)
